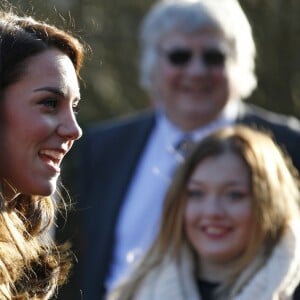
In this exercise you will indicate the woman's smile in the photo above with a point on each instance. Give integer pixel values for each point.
(40, 125)
(52, 158)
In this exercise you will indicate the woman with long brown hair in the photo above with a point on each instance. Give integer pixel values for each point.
(39, 97)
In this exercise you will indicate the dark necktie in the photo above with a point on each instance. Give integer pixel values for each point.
(185, 145)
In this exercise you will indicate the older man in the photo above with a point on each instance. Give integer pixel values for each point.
(197, 65)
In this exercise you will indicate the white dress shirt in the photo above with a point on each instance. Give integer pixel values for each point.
(140, 214)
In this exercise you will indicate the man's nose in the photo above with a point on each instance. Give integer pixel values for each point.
(196, 66)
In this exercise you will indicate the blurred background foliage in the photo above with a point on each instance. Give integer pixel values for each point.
(110, 29)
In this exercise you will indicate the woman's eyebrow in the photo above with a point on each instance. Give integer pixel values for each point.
(51, 89)
(57, 91)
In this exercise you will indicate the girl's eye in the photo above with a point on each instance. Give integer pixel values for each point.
(236, 195)
(195, 194)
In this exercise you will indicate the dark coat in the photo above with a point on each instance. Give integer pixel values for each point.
(105, 160)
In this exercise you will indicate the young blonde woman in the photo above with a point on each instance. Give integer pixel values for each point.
(230, 226)
(39, 95)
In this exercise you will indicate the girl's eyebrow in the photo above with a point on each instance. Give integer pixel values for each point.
(229, 182)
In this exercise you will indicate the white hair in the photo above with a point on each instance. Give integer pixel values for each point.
(188, 16)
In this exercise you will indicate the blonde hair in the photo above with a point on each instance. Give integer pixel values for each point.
(275, 188)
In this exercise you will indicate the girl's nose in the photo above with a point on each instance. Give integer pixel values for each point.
(213, 207)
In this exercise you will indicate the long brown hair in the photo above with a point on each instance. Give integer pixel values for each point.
(31, 264)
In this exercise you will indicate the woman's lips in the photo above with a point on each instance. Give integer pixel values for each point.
(52, 158)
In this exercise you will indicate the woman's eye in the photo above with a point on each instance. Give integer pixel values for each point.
(50, 103)
(76, 108)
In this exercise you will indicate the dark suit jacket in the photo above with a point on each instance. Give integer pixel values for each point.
(105, 162)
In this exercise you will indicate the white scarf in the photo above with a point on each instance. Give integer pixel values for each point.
(276, 280)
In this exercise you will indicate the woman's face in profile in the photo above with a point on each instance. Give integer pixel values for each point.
(39, 123)
(219, 215)
(191, 77)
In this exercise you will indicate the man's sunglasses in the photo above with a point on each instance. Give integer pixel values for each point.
(210, 57)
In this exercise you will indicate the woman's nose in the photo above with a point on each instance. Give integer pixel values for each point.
(69, 127)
